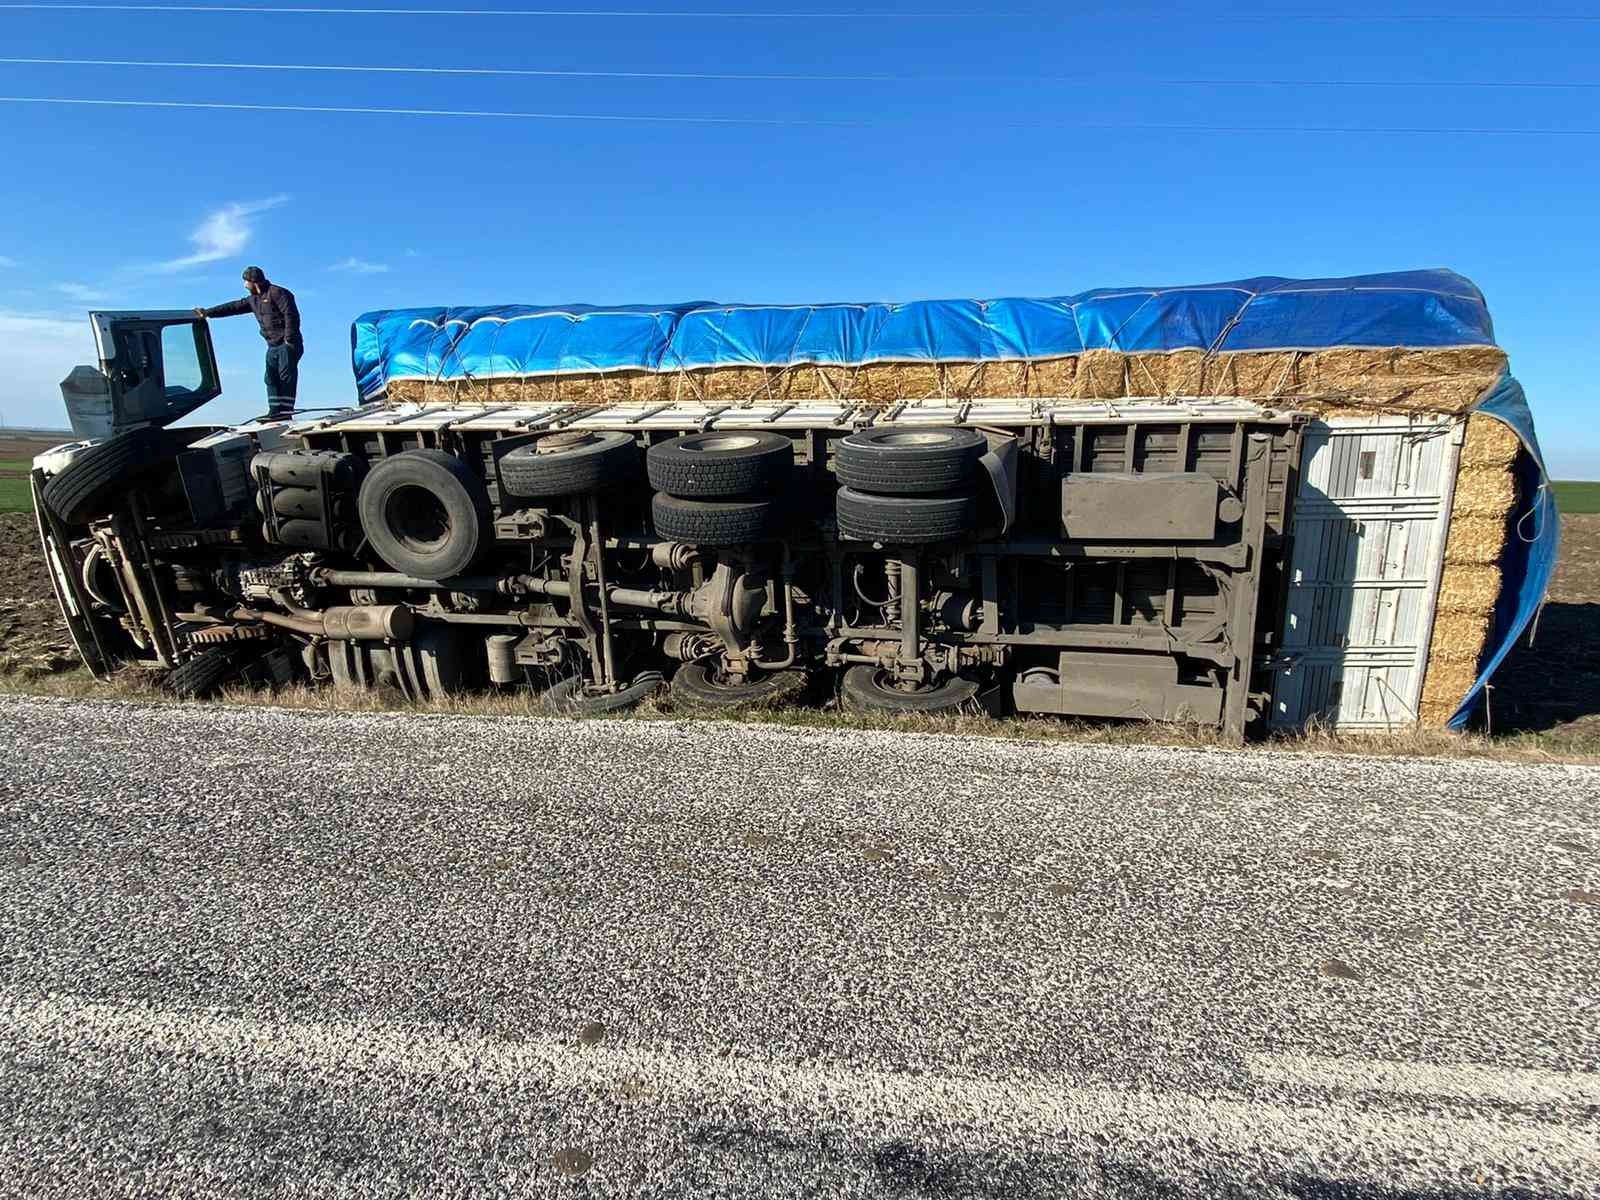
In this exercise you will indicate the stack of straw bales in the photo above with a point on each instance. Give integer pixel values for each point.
(1336, 382)
(1389, 380)
(1480, 525)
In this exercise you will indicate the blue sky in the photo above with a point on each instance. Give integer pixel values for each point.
(994, 182)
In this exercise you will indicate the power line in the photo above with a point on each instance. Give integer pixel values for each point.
(673, 119)
(1119, 80)
(861, 15)
(718, 15)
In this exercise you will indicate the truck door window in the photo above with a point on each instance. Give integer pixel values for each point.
(180, 360)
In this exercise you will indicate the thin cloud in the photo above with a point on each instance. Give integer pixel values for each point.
(7, 262)
(359, 266)
(82, 293)
(223, 234)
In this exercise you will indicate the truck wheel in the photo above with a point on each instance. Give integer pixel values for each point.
(866, 688)
(571, 697)
(905, 519)
(90, 485)
(735, 463)
(697, 685)
(711, 522)
(569, 464)
(900, 460)
(425, 513)
(204, 674)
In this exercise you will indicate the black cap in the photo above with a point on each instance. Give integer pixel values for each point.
(255, 275)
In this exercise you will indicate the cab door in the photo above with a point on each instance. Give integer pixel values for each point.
(159, 366)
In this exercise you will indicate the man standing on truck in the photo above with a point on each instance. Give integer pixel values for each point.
(279, 319)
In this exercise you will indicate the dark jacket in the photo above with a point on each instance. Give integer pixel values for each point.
(275, 312)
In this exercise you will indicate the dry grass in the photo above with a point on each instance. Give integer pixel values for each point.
(143, 686)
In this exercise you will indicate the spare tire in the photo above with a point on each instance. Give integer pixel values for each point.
(908, 460)
(569, 463)
(91, 483)
(711, 522)
(425, 513)
(906, 520)
(734, 462)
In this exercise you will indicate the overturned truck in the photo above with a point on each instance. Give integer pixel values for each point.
(1081, 506)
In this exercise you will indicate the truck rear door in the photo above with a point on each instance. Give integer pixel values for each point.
(159, 366)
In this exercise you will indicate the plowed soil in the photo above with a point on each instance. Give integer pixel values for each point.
(33, 641)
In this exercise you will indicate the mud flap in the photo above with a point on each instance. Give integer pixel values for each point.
(1001, 464)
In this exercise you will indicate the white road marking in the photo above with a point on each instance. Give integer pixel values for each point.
(1455, 1081)
(349, 1052)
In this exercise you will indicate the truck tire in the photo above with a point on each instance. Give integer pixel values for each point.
(722, 464)
(425, 513)
(695, 685)
(866, 688)
(570, 698)
(90, 485)
(905, 520)
(712, 522)
(569, 464)
(901, 460)
(203, 675)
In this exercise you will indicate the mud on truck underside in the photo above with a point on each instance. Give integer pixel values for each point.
(1033, 556)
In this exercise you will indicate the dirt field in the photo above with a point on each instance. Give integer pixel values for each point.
(1553, 686)
(32, 639)
(1550, 689)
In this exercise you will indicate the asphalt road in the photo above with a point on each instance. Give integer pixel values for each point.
(262, 952)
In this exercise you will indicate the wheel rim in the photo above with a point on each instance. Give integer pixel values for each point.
(417, 518)
(560, 443)
(720, 682)
(884, 681)
(723, 443)
(910, 438)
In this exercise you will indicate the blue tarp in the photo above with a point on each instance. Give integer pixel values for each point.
(1530, 556)
(1409, 308)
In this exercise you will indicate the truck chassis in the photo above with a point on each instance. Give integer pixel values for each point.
(1032, 556)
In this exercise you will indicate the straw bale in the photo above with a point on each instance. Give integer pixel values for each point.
(1458, 636)
(1468, 587)
(1484, 492)
(1053, 377)
(1489, 443)
(1475, 539)
(1177, 374)
(1448, 682)
(1486, 361)
(1436, 714)
(1101, 375)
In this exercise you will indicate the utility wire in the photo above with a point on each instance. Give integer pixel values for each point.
(859, 15)
(670, 119)
(1081, 80)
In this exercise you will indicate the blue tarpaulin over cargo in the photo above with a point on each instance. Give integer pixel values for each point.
(1409, 308)
(1530, 555)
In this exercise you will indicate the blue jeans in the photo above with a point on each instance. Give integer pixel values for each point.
(283, 378)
